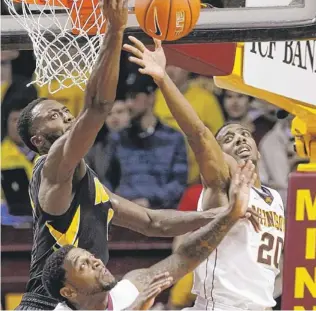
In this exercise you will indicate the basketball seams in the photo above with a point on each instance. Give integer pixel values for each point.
(174, 24)
(169, 17)
(146, 12)
(191, 12)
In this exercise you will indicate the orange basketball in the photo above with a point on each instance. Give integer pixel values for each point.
(167, 19)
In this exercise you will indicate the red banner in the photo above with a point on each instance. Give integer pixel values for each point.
(299, 273)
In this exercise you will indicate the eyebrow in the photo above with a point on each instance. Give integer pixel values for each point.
(53, 109)
(226, 134)
(244, 129)
(229, 132)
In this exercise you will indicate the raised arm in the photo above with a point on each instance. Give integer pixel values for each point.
(66, 153)
(208, 153)
(200, 244)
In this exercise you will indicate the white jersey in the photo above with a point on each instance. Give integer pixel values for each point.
(121, 297)
(241, 272)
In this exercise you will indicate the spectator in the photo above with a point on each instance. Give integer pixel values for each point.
(256, 115)
(100, 157)
(202, 101)
(6, 70)
(236, 107)
(151, 155)
(16, 158)
(119, 116)
(263, 116)
(278, 158)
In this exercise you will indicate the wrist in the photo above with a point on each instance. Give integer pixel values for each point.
(162, 80)
(214, 212)
(232, 213)
(115, 29)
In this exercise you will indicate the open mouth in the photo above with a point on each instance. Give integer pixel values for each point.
(243, 150)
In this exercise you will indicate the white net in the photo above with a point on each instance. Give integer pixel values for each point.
(66, 37)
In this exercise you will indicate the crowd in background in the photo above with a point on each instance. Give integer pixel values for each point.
(140, 153)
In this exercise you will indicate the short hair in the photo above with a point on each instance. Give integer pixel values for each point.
(25, 123)
(53, 276)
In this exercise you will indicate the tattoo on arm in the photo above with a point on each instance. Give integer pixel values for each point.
(190, 253)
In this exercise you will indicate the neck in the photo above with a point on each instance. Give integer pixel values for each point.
(148, 120)
(92, 302)
(258, 181)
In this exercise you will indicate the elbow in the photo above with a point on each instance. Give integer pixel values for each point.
(156, 227)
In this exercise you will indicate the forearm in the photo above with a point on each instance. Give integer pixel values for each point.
(207, 151)
(170, 223)
(102, 85)
(201, 243)
(192, 251)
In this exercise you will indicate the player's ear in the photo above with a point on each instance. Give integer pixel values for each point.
(68, 292)
(37, 141)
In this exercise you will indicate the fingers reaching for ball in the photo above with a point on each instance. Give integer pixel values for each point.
(152, 63)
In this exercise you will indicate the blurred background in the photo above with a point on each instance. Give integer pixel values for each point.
(139, 115)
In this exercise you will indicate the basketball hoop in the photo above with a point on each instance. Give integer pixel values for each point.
(66, 37)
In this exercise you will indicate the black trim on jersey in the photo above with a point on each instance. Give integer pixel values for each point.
(204, 283)
(213, 278)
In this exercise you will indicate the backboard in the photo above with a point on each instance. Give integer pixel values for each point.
(228, 21)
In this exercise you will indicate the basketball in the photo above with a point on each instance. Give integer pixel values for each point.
(167, 19)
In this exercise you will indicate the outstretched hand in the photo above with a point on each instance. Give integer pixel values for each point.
(116, 13)
(151, 63)
(146, 299)
(239, 193)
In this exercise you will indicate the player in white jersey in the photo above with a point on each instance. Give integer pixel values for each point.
(241, 273)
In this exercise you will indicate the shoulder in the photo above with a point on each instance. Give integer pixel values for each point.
(277, 198)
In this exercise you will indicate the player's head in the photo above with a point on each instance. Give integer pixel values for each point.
(42, 122)
(237, 141)
(73, 273)
(236, 105)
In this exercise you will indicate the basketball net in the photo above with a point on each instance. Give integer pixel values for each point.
(66, 37)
